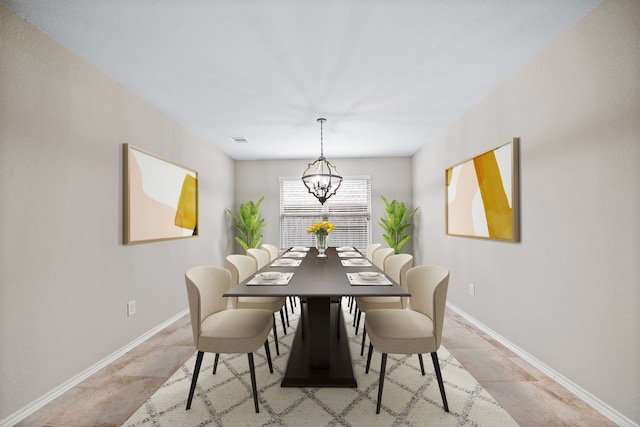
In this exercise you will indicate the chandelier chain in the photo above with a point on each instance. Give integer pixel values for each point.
(321, 137)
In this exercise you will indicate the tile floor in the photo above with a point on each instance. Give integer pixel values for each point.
(109, 397)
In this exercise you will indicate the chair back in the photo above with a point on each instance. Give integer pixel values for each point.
(371, 249)
(241, 267)
(262, 256)
(428, 285)
(272, 249)
(396, 267)
(206, 286)
(381, 255)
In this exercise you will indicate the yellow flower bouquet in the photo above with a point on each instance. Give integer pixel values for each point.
(321, 228)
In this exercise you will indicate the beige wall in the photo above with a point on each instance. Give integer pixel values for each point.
(569, 293)
(65, 276)
(390, 177)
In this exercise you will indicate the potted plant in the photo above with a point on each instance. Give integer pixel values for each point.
(248, 224)
(396, 224)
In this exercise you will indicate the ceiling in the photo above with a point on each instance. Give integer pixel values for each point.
(387, 75)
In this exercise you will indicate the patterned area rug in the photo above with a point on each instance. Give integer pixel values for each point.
(409, 399)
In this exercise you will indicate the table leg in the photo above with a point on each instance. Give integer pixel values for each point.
(321, 358)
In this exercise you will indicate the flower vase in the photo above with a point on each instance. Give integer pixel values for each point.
(321, 245)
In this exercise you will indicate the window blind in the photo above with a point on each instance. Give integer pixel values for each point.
(349, 210)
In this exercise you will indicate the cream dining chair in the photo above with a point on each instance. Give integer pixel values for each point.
(416, 330)
(370, 249)
(272, 249)
(241, 267)
(379, 257)
(274, 253)
(262, 256)
(396, 267)
(368, 253)
(217, 329)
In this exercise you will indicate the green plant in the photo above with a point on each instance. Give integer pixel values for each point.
(396, 224)
(248, 224)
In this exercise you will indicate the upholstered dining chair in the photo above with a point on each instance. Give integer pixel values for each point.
(272, 249)
(396, 267)
(416, 330)
(379, 257)
(262, 256)
(217, 329)
(274, 252)
(241, 267)
(370, 249)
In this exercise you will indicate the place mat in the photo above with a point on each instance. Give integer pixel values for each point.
(283, 280)
(356, 262)
(286, 262)
(294, 255)
(345, 249)
(356, 280)
(350, 254)
(299, 249)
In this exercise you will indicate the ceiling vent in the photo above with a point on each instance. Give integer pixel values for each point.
(240, 140)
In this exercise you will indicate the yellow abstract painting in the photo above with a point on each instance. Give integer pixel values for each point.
(482, 197)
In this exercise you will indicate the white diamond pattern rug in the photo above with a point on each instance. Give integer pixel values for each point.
(409, 399)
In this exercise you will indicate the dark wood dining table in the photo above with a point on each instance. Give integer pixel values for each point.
(319, 355)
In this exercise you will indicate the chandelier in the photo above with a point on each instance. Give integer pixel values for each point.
(321, 178)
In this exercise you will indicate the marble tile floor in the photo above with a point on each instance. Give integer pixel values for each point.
(112, 395)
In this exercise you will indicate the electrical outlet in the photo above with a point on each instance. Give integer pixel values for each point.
(472, 289)
(131, 308)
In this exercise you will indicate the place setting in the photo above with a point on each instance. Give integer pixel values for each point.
(286, 262)
(356, 262)
(368, 278)
(294, 254)
(349, 254)
(271, 278)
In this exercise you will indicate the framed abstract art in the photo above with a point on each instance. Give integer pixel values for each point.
(160, 198)
(482, 197)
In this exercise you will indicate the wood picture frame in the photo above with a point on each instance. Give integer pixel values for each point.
(160, 198)
(482, 197)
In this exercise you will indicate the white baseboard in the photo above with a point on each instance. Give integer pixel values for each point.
(590, 399)
(24, 412)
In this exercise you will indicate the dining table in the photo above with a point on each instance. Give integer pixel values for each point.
(319, 355)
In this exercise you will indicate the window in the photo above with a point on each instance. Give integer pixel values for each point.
(349, 210)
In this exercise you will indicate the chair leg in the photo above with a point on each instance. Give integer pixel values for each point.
(286, 314)
(267, 350)
(284, 325)
(364, 334)
(436, 366)
(252, 370)
(355, 315)
(358, 322)
(194, 378)
(421, 364)
(215, 363)
(275, 335)
(369, 357)
(383, 367)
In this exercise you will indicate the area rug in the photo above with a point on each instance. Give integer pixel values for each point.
(409, 399)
